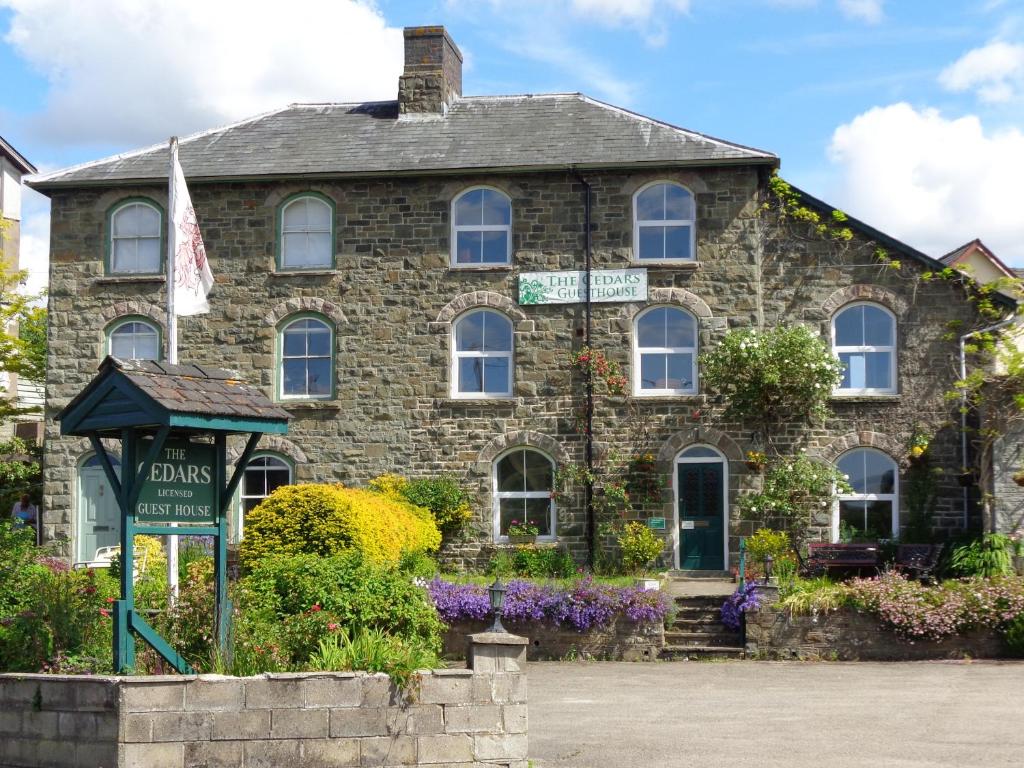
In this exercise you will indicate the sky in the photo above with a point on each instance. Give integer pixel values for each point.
(908, 114)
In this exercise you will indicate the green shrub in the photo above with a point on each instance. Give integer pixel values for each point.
(639, 546)
(305, 598)
(372, 650)
(17, 567)
(418, 565)
(767, 542)
(442, 495)
(329, 519)
(987, 556)
(1014, 635)
(531, 561)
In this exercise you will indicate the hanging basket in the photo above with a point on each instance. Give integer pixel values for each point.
(755, 466)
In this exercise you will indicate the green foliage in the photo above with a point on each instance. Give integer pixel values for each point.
(767, 542)
(418, 565)
(21, 471)
(18, 567)
(447, 501)
(1014, 635)
(327, 520)
(921, 489)
(530, 561)
(372, 650)
(24, 352)
(303, 598)
(813, 596)
(794, 488)
(987, 556)
(774, 376)
(639, 546)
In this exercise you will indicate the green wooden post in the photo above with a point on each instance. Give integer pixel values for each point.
(220, 557)
(124, 651)
(743, 561)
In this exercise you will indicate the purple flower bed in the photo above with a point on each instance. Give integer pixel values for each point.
(739, 602)
(583, 606)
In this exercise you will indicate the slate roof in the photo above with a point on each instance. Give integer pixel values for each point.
(478, 133)
(16, 157)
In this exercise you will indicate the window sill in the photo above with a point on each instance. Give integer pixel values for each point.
(504, 541)
(661, 264)
(451, 402)
(886, 398)
(129, 279)
(479, 267)
(310, 405)
(693, 397)
(303, 273)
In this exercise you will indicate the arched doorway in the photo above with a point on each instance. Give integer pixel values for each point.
(99, 522)
(701, 491)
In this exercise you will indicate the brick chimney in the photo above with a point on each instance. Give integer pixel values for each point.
(432, 79)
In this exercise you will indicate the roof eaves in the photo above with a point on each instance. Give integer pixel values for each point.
(16, 157)
(890, 242)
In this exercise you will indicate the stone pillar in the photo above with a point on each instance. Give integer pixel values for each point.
(496, 652)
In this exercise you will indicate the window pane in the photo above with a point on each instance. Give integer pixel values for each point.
(255, 482)
(497, 332)
(125, 256)
(496, 379)
(319, 376)
(854, 375)
(318, 214)
(678, 203)
(699, 452)
(471, 374)
(880, 473)
(852, 514)
(294, 342)
(652, 242)
(319, 249)
(149, 255)
(680, 371)
(650, 328)
(677, 243)
(295, 250)
(319, 341)
(146, 346)
(469, 333)
(879, 519)
(538, 513)
(469, 208)
(126, 222)
(850, 327)
(650, 204)
(538, 471)
(679, 328)
(877, 327)
(878, 366)
(468, 248)
(852, 465)
(294, 379)
(511, 473)
(148, 221)
(296, 216)
(495, 247)
(496, 208)
(652, 371)
(511, 510)
(276, 478)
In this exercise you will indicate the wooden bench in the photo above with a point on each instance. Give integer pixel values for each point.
(918, 561)
(823, 557)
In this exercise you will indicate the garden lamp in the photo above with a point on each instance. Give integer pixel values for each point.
(496, 593)
(768, 560)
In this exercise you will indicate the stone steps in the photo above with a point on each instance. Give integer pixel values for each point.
(721, 638)
(699, 653)
(697, 631)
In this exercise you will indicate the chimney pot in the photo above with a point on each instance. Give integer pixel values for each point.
(432, 79)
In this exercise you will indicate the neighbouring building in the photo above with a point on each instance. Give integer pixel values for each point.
(383, 270)
(24, 393)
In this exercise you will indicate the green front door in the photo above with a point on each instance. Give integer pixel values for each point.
(701, 491)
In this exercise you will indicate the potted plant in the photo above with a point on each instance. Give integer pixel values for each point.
(522, 533)
(919, 446)
(756, 461)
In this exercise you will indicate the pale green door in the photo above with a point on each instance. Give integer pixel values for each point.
(99, 523)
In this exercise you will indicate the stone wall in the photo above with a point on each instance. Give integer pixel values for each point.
(452, 718)
(623, 640)
(848, 635)
(392, 297)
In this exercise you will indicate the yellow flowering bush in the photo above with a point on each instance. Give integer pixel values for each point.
(326, 520)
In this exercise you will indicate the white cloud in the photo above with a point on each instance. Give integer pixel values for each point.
(931, 181)
(616, 12)
(125, 72)
(995, 70)
(868, 11)
(35, 240)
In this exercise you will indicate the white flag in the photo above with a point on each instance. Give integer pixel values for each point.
(192, 276)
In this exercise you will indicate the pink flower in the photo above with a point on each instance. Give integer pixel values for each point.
(316, 607)
(104, 612)
(332, 627)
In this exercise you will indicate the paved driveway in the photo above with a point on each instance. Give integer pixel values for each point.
(766, 714)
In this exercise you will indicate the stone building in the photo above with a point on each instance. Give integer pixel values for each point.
(368, 260)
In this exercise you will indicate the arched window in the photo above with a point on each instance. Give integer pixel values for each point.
(307, 233)
(864, 340)
(665, 352)
(136, 228)
(263, 475)
(871, 511)
(133, 339)
(664, 223)
(307, 359)
(482, 355)
(481, 228)
(523, 481)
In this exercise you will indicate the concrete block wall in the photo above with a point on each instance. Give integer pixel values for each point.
(459, 718)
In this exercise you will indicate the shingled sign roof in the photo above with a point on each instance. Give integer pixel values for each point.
(482, 132)
(132, 393)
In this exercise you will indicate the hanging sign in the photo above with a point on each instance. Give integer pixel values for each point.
(180, 485)
(570, 287)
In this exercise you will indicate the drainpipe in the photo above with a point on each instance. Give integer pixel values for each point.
(963, 401)
(589, 436)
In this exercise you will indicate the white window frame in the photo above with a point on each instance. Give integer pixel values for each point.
(456, 356)
(639, 223)
(639, 351)
(282, 263)
(497, 496)
(281, 358)
(121, 208)
(837, 350)
(241, 486)
(122, 322)
(893, 497)
(455, 229)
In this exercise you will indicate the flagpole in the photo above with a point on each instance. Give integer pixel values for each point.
(172, 341)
